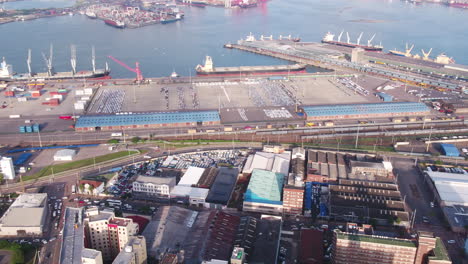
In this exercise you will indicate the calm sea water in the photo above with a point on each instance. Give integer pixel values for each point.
(180, 46)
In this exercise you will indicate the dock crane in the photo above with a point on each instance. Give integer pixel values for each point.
(426, 54)
(139, 76)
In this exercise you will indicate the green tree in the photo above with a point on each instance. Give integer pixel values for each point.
(136, 140)
(113, 141)
(1, 178)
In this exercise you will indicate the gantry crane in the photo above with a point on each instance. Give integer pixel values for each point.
(139, 76)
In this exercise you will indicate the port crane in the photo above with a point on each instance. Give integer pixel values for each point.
(426, 54)
(139, 76)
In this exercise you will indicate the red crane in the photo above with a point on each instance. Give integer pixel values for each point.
(139, 76)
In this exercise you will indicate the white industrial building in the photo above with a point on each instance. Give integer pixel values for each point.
(274, 162)
(7, 168)
(26, 216)
(449, 188)
(191, 176)
(64, 155)
(153, 187)
(191, 195)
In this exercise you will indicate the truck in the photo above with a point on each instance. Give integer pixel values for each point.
(15, 116)
(73, 188)
(116, 134)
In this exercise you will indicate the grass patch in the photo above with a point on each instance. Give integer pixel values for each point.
(19, 252)
(78, 164)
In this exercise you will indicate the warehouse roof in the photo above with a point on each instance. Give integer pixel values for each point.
(65, 152)
(223, 185)
(268, 161)
(191, 176)
(365, 109)
(450, 150)
(30, 200)
(452, 187)
(264, 187)
(156, 180)
(146, 118)
(192, 192)
(23, 217)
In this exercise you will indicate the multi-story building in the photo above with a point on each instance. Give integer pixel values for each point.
(7, 168)
(293, 200)
(134, 252)
(107, 233)
(145, 187)
(91, 256)
(358, 245)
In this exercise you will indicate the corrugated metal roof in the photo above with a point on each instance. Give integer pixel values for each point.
(450, 150)
(362, 109)
(191, 176)
(264, 187)
(385, 97)
(147, 118)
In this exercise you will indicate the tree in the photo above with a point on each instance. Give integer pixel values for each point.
(81, 187)
(1, 178)
(113, 141)
(136, 140)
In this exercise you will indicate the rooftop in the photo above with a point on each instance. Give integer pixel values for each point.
(192, 192)
(440, 252)
(258, 114)
(23, 217)
(376, 239)
(73, 233)
(264, 187)
(191, 176)
(223, 185)
(146, 118)
(451, 187)
(90, 253)
(156, 180)
(269, 161)
(29, 200)
(365, 109)
(65, 152)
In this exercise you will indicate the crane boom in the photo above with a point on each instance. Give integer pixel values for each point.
(137, 70)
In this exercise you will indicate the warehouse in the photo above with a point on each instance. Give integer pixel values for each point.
(326, 112)
(449, 188)
(191, 176)
(64, 155)
(147, 120)
(221, 190)
(449, 150)
(26, 216)
(268, 161)
(263, 193)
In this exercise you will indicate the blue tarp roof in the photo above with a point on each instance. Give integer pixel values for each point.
(147, 118)
(361, 109)
(450, 150)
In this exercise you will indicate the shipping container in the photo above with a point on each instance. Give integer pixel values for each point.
(9, 93)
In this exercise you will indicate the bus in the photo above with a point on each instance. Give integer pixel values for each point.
(112, 202)
(65, 117)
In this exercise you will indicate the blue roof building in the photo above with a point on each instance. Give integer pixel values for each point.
(144, 120)
(450, 150)
(365, 110)
(385, 97)
(263, 194)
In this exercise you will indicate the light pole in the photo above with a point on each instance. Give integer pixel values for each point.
(357, 136)
(429, 141)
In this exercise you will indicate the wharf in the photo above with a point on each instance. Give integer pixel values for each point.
(322, 55)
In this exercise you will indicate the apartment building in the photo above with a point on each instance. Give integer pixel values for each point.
(134, 252)
(107, 233)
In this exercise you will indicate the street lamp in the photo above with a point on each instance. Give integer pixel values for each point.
(428, 142)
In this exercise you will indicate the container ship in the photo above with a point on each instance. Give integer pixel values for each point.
(192, 3)
(116, 24)
(209, 70)
(329, 38)
(7, 74)
(168, 20)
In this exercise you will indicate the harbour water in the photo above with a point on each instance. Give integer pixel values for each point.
(180, 46)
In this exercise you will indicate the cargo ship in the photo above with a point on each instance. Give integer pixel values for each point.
(168, 20)
(458, 4)
(116, 24)
(208, 69)
(8, 75)
(329, 38)
(91, 15)
(192, 3)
